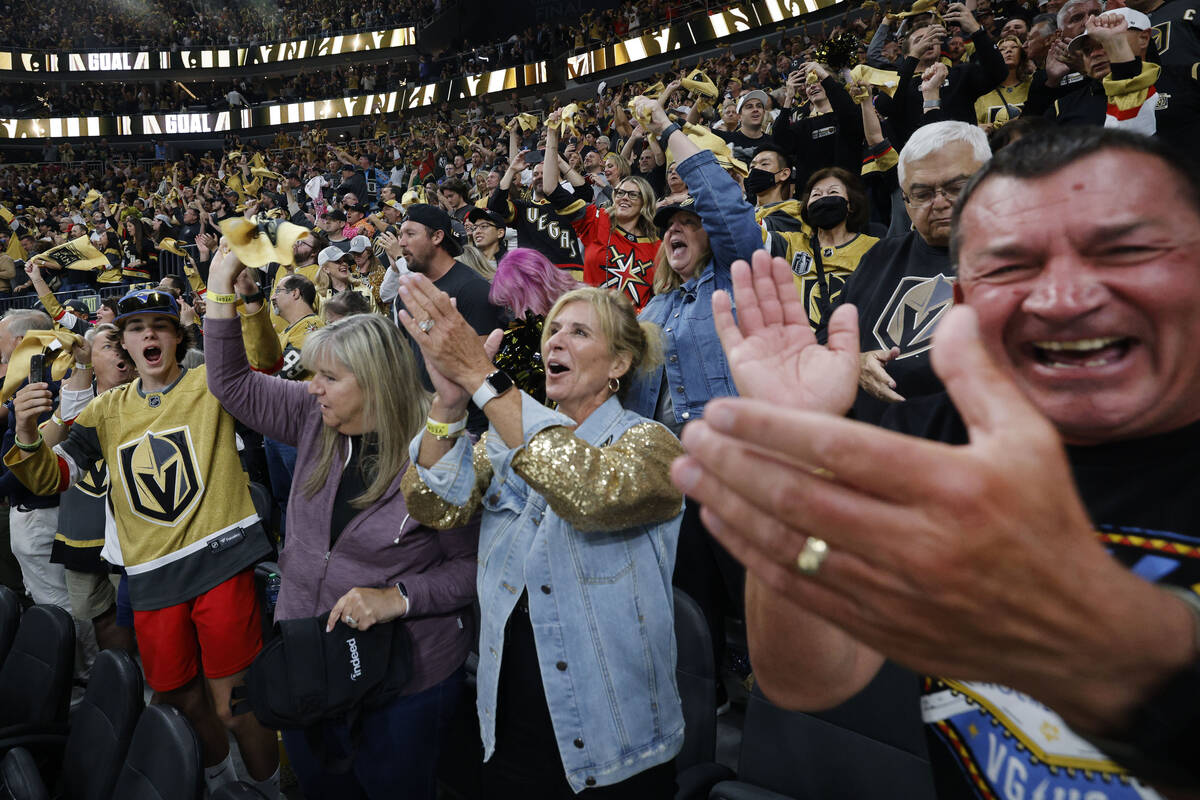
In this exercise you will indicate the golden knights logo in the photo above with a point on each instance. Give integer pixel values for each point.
(160, 477)
(911, 316)
(804, 268)
(94, 480)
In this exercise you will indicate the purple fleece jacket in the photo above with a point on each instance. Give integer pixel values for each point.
(380, 546)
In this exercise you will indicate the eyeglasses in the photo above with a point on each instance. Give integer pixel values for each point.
(923, 195)
(484, 226)
(632, 194)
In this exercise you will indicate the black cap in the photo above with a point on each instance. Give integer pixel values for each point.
(438, 220)
(336, 213)
(476, 214)
(662, 217)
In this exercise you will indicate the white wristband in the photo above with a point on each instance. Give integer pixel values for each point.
(72, 402)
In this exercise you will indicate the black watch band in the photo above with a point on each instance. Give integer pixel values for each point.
(665, 136)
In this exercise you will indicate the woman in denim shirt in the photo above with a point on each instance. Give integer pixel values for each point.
(701, 238)
(576, 681)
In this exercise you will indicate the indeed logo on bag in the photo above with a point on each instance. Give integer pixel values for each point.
(355, 661)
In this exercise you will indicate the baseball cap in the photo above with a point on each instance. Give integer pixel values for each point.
(753, 94)
(359, 243)
(147, 301)
(662, 217)
(330, 253)
(438, 220)
(336, 214)
(476, 214)
(1136, 19)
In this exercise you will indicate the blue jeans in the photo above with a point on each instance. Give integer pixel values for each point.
(281, 465)
(397, 753)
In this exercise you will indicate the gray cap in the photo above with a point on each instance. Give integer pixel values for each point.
(330, 253)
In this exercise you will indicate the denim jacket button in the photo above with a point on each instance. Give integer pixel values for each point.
(590, 781)
(495, 498)
(562, 666)
(674, 358)
(686, 415)
(579, 743)
(545, 590)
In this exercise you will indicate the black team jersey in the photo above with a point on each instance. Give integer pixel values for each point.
(1177, 32)
(540, 227)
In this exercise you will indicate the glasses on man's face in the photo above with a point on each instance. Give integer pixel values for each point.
(920, 195)
(621, 194)
(483, 226)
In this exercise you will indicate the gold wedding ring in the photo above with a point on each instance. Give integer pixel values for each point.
(812, 555)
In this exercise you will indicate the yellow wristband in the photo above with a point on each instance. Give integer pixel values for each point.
(226, 299)
(446, 430)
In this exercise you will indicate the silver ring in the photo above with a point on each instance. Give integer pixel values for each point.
(812, 556)
(426, 325)
(349, 620)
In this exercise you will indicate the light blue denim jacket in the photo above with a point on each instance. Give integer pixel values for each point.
(694, 363)
(599, 590)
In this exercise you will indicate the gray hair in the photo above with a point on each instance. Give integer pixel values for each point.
(1061, 19)
(103, 327)
(1045, 19)
(20, 321)
(929, 139)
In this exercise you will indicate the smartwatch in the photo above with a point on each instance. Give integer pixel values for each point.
(492, 387)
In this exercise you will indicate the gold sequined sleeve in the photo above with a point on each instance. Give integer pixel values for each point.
(428, 508)
(624, 484)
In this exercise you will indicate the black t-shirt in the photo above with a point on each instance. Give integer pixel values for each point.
(902, 288)
(743, 146)
(470, 291)
(355, 480)
(1140, 495)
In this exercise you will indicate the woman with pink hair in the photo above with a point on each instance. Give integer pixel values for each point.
(527, 284)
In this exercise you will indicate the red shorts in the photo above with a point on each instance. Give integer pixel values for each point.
(222, 628)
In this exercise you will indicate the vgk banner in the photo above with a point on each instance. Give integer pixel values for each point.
(78, 254)
(697, 30)
(145, 62)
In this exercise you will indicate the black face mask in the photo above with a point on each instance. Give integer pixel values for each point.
(758, 181)
(827, 212)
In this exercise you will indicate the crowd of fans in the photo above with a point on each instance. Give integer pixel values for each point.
(595, 28)
(34, 99)
(601, 236)
(176, 24)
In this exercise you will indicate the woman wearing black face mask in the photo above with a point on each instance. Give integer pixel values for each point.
(835, 208)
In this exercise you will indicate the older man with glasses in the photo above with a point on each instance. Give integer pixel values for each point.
(905, 284)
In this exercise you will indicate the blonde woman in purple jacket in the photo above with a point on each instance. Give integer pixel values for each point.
(351, 550)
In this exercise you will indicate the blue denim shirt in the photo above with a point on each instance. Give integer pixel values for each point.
(600, 602)
(694, 363)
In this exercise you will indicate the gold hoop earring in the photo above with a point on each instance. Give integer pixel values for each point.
(614, 385)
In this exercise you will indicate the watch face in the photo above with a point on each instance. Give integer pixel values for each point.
(500, 382)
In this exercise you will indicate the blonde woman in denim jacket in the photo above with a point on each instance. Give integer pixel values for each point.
(576, 681)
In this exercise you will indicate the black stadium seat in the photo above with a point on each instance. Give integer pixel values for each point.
(163, 761)
(102, 728)
(695, 766)
(872, 747)
(10, 617)
(35, 680)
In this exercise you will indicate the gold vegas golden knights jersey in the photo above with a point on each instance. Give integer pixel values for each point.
(185, 520)
(837, 265)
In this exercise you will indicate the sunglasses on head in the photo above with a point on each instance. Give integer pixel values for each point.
(153, 300)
